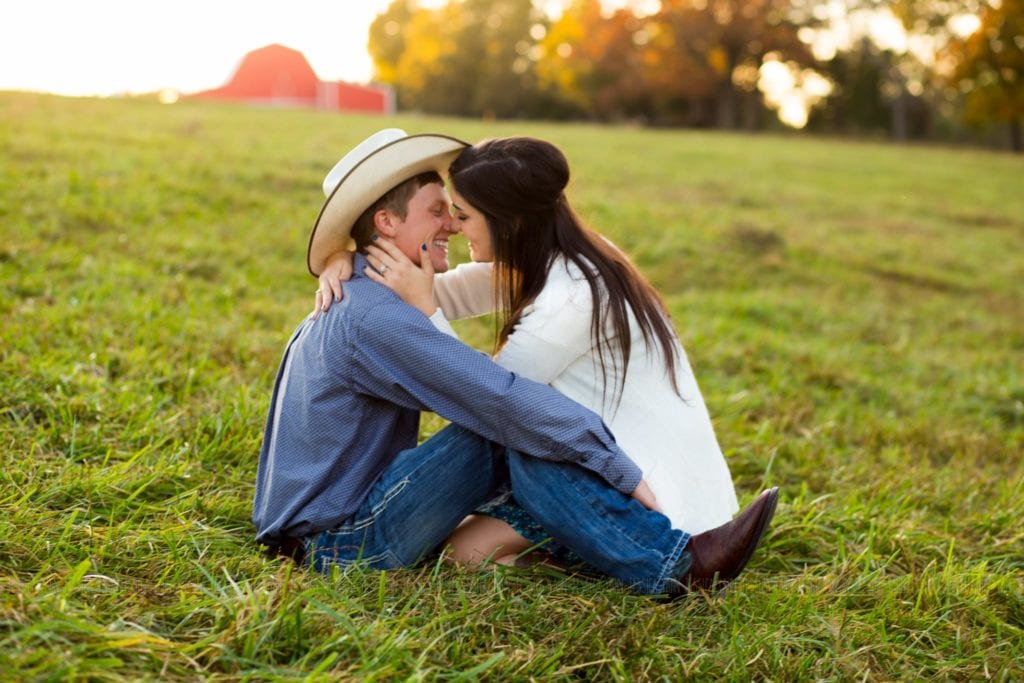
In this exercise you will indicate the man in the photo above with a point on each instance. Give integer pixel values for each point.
(341, 479)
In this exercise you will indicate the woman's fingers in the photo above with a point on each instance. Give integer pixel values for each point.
(390, 249)
(330, 289)
(645, 496)
(337, 293)
(324, 294)
(375, 257)
(426, 265)
(384, 256)
(316, 307)
(414, 284)
(337, 269)
(384, 264)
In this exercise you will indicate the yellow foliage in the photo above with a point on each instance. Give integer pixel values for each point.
(718, 60)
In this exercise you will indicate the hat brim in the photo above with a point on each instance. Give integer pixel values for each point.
(368, 181)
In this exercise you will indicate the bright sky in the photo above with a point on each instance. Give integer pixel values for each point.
(102, 47)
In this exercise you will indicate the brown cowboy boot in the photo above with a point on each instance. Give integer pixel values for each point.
(720, 554)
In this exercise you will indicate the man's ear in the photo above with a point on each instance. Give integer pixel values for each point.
(383, 221)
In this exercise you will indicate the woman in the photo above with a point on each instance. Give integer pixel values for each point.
(574, 313)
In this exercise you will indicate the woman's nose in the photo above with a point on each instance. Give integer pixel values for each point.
(450, 224)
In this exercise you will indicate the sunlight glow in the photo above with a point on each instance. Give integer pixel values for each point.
(106, 47)
(791, 90)
(640, 8)
(964, 25)
(887, 31)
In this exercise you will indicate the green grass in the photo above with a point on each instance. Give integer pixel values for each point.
(854, 312)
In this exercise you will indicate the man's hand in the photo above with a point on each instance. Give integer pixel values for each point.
(645, 496)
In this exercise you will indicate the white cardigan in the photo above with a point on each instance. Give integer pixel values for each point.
(670, 438)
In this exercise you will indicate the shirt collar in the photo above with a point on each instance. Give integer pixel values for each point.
(358, 263)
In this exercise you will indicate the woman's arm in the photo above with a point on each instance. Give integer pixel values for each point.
(465, 291)
(338, 269)
(460, 293)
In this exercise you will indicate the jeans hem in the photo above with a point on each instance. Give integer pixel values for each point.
(667, 574)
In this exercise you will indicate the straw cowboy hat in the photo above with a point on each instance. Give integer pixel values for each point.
(364, 175)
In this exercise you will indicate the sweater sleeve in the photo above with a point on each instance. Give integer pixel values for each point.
(466, 291)
(554, 331)
(438, 320)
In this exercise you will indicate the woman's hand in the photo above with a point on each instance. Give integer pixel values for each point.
(415, 284)
(645, 496)
(337, 270)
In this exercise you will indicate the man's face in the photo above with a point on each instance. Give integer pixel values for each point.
(428, 221)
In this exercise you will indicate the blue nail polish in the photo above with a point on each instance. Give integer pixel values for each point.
(423, 247)
(374, 237)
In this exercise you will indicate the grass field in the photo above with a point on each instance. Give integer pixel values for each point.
(854, 313)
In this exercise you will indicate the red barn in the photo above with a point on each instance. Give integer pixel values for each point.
(280, 76)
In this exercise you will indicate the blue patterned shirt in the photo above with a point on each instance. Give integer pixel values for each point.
(348, 397)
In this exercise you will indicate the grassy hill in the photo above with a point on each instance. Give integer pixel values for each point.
(854, 313)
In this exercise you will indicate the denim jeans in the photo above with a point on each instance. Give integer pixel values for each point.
(426, 491)
(609, 530)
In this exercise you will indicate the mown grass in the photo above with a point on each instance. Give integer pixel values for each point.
(855, 314)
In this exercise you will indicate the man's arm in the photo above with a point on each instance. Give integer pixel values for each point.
(402, 358)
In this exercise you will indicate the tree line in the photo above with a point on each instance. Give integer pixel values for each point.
(730, 64)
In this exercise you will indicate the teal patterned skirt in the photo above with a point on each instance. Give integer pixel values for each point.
(509, 511)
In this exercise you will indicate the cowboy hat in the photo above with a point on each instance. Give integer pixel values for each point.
(379, 163)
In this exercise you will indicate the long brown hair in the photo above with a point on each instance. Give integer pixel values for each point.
(518, 183)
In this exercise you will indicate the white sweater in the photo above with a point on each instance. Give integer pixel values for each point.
(670, 438)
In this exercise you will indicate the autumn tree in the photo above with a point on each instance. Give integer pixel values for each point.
(592, 62)
(703, 56)
(412, 50)
(468, 57)
(988, 66)
(857, 103)
(912, 81)
(386, 41)
(504, 34)
(695, 62)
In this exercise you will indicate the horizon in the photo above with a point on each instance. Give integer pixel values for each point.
(115, 47)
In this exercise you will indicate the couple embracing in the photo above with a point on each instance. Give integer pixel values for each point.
(584, 440)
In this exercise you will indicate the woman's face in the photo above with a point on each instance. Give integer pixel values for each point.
(473, 225)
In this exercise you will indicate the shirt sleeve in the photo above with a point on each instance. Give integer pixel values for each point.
(402, 358)
(465, 291)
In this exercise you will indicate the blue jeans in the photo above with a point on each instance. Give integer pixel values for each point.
(426, 491)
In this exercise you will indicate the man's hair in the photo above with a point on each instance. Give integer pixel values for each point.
(395, 200)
